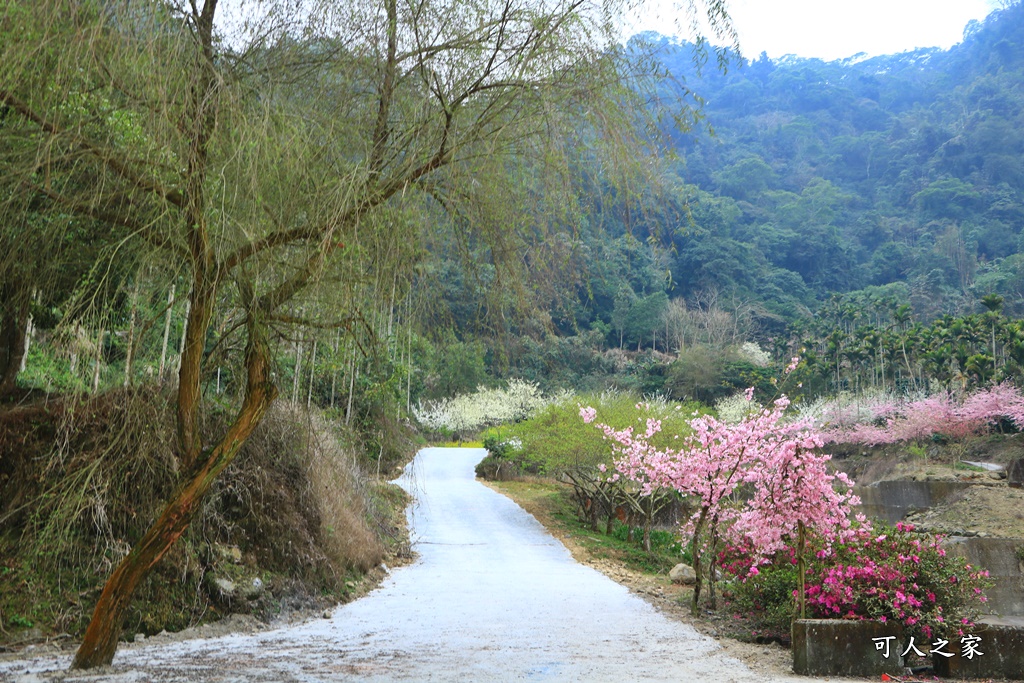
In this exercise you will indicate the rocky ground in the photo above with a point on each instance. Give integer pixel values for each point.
(987, 511)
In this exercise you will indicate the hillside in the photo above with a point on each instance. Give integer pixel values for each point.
(808, 187)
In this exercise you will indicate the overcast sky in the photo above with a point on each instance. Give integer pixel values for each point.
(834, 29)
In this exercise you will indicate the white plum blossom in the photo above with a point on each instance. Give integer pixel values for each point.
(484, 408)
(754, 354)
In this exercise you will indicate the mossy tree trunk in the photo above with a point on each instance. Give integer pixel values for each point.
(100, 641)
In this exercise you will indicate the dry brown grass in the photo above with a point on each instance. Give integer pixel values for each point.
(340, 492)
(80, 481)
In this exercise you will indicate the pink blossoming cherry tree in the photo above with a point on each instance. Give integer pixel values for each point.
(793, 492)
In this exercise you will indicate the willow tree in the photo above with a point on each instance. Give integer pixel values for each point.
(250, 148)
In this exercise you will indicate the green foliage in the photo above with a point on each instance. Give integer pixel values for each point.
(662, 541)
(766, 598)
(703, 373)
(19, 621)
(556, 438)
(456, 367)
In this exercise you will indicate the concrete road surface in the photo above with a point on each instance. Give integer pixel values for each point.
(492, 597)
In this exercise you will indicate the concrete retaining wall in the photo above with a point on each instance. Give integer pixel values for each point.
(1002, 654)
(892, 500)
(837, 647)
(999, 557)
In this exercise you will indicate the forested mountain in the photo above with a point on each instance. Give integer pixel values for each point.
(904, 168)
(881, 181)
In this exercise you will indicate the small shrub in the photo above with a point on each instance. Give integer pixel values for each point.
(662, 542)
(767, 597)
(557, 439)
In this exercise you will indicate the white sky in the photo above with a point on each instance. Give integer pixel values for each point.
(834, 29)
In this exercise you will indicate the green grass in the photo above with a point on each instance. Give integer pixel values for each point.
(551, 504)
(556, 438)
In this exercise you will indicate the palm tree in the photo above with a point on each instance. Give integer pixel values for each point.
(993, 304)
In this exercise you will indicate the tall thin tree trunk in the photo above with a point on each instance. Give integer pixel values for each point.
(167, 333)
(298, 371)
(351, 387)
(801, 571)
(98, 361)
(184, 333)
(391, 307)
(130, 350)
(408, 383)
(334, 360)
(312, 370)
(30, 329)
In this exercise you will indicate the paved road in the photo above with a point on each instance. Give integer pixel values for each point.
(492, 597)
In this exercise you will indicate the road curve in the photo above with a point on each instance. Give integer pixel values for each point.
(491, 597)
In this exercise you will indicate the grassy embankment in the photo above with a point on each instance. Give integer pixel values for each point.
(298, 521)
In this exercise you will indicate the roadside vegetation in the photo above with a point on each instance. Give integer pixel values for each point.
(750, 503)
(298, 523)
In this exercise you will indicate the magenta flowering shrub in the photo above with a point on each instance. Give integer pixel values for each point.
(894, 575)
(889, 574)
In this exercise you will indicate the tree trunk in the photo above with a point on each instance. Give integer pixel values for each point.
(351, 387)
(167, 333)
(408, 376)
(647, 510)
(14, 317)
(98, 361)
(713, 565)
(184, 334)
(297, 377)
(801, 571)
(100, 641)
(30, 329)
(312, 370)
(695, 552)
(130, 347)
